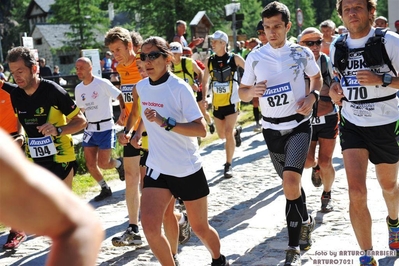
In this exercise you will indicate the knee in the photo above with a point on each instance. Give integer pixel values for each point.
(104, 164)
(358, 194)
(200, 229)
(390, 187)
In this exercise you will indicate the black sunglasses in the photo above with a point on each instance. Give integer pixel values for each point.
(261, 32)
(311, 43)
(151, 56)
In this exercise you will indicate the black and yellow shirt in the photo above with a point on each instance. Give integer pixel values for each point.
(49, 103)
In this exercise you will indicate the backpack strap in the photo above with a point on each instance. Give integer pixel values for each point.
(380, 32)
(325, 72)
(184, 68)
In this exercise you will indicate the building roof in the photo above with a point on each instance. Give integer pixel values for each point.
(42, 4)
(196, 20)
(54, 34)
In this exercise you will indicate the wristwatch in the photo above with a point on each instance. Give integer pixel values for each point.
(170, 124)
(386, 80)
(59, 131)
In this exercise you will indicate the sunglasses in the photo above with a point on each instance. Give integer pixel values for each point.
(261, 32)
(311, 43)
(151, 56)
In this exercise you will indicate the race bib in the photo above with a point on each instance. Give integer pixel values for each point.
(127, 92)
(41, 147)
(318, 120)
(87, 136)
(353, 91)
(221, 87)
(279, 95)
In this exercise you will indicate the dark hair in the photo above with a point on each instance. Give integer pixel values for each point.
(370, 4)
(160, 43)
(23, 53)
(275, 8)
(137, 40)
(117, 33)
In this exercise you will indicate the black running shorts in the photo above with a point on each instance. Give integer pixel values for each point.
(328, 130)
(192, 187)
(61, 170)
(380, 141)
(129, 150)
(222, 111)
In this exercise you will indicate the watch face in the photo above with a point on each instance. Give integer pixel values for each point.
(171, 122)
(387, 79)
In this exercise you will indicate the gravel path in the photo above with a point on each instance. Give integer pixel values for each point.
(248, 213)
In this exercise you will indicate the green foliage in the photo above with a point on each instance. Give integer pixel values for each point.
(85, 17)
(158, 17)
(382, 8)
(252, 10)
(13, 23)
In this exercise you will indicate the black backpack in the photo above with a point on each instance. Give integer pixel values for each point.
(375, 54)
(225, 72)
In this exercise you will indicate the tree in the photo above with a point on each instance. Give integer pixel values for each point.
(158, 17)
(86, 19)
(12, 24)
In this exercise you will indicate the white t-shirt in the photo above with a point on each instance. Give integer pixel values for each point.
(368, 114)
(283, 69)
(96, 99)
(170, 153)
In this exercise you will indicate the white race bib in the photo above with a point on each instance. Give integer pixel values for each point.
(318, 120)
(127, 92)
(279, 95)
(41, 147)
(353, 91)
(87, 136)
(221, 87)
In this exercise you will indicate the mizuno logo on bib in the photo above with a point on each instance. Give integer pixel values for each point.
(41, 147)
(279, 95)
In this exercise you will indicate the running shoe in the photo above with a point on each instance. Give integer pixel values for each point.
(184, 231)
(237, 136)
(14, 239)
(393, 236)
(224, 262)
(292, 258)
(258, 128)
(211, 128)
(121, 170)
(128, 238)
(367, 260)
(316, 179)
(228, 170)
(305, 240)
(179, 204)
(326, 204)
(105, 193)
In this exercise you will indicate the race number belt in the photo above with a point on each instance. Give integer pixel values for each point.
(278, 120)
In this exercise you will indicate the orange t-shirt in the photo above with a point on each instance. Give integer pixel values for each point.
(129, 76)
(8, 120)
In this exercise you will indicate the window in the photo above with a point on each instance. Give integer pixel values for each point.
(38, 41)
(66, 59)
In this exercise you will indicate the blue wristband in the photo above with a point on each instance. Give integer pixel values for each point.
(336, 79)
